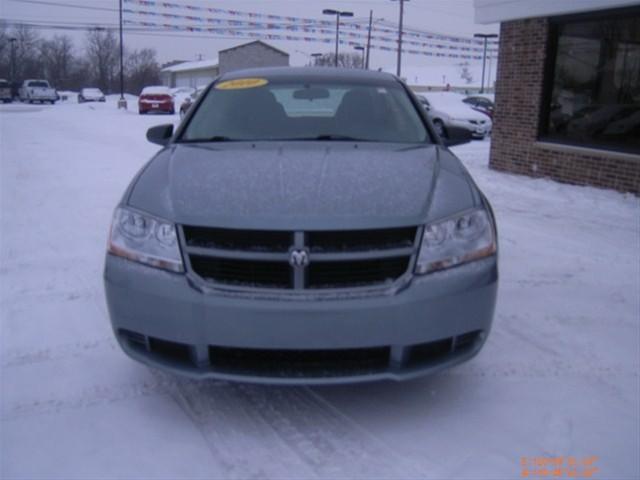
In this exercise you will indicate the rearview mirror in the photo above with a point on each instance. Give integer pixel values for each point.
(457, 136)
(311, 93)
(161, 134)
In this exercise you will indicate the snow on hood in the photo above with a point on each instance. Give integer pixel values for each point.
(294, 185)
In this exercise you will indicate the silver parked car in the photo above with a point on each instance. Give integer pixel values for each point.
(91, 95)
(303, 225)
(447, 110)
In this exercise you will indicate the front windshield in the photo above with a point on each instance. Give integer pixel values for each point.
(307, 111)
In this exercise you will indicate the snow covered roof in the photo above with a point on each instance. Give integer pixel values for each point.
(254, 43)
(491, 11)
(197, 65)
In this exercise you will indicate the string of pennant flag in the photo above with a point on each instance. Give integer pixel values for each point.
(301, 23)
(272, 36)
(297, 28)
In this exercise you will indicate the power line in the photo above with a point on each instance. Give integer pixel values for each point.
(66, 5)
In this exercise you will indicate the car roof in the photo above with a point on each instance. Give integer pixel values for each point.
(323, 74)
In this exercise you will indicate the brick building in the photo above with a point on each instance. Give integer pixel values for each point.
(568, 90)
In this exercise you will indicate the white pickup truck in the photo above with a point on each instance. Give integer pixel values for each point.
(37, 91)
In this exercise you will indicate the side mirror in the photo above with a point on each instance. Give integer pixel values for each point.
(161, 134)
(457, 136)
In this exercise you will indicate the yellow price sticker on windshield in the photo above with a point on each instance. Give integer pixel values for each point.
(241, 83)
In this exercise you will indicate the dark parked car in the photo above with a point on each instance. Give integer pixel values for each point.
(5, 91)
(481, 104)
(156, 99)
(303, 225)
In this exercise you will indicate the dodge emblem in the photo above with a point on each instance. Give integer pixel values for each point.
(299, 258)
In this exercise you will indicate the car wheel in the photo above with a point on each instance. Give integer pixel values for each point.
(172, 111)
(141, 112)
(440, 130)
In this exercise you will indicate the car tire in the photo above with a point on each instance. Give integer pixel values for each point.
(141, 112)
(172, 111)
(440, 129)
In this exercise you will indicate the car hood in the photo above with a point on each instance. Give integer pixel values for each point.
(299, 185)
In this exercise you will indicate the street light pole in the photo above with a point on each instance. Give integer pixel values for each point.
(122, 103)
(484, 36)
(338, 14)
(400, 22)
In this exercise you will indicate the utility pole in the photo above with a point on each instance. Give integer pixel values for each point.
(484, 36)
(400, 22)
(338, 14)
(366, 66)
(122, 103)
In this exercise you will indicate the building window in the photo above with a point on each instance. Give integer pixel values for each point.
(592, 94)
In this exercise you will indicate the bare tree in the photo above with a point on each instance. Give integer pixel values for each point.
(27, 52)
(141, 69)
(102, 58)
(5, 53)
(465, 73)
(58, 60)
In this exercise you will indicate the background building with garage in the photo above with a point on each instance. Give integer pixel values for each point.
(190, 74)
(251, 55)
(248, 55)
(568, 90)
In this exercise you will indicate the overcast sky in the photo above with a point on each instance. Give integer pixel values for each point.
(452, 17)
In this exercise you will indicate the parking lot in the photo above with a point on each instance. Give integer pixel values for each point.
(559, 376)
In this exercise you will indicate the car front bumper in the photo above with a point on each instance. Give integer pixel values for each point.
(477, 130)
(148, 106)
(435, 322)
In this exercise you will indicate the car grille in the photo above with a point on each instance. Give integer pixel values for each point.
(258, 259)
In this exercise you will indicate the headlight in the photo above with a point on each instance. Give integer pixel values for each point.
(455, 241)
(145, 239)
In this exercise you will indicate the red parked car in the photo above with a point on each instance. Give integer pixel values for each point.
(156, 99)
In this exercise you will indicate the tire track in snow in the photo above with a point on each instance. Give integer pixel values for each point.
(287, 429)
(60, 352)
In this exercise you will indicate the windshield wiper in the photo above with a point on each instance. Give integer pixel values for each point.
(220, 138)
(338, 137)
(215, 138)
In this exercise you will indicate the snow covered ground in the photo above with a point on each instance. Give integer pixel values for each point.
(558, 376)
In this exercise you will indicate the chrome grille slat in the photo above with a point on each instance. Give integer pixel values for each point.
(338, 259)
